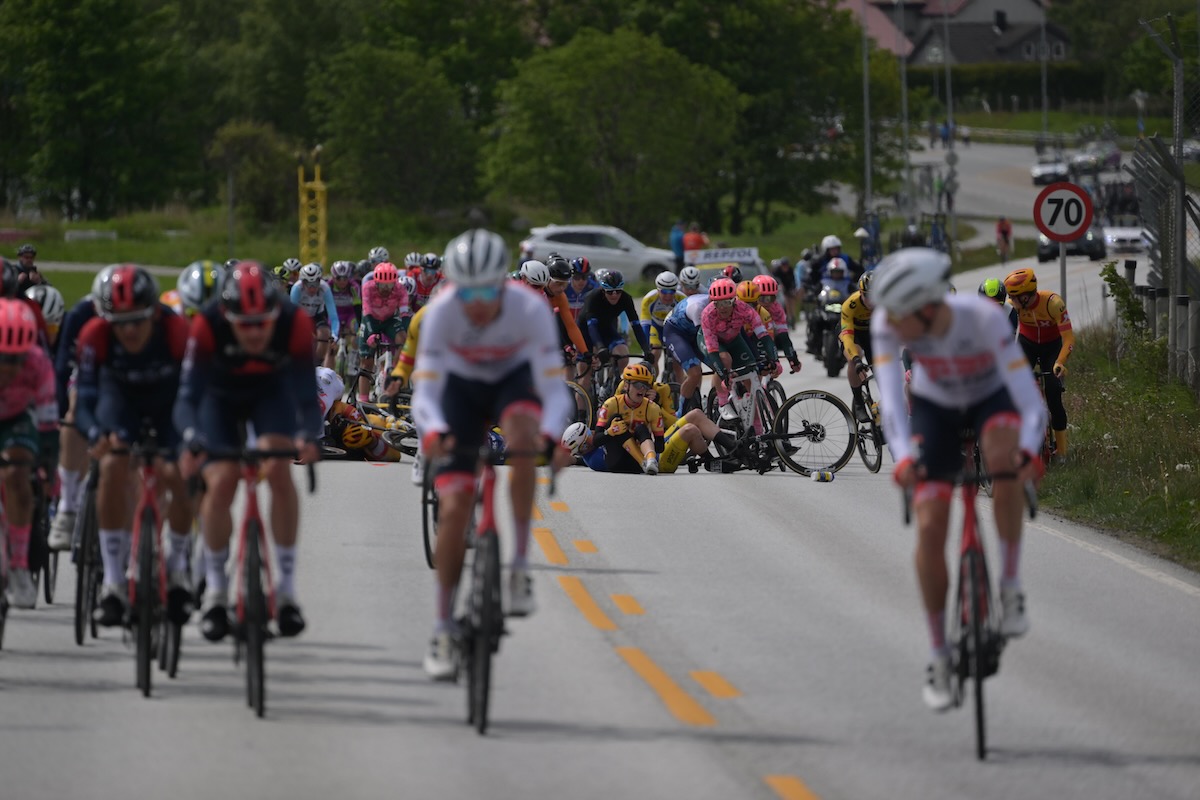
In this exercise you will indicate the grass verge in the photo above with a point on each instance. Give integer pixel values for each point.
(1064, 122)
(1134, 466)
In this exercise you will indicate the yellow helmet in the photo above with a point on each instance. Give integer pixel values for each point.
(747, 292)
(637, 373)
(1021, 281)
(357, 437)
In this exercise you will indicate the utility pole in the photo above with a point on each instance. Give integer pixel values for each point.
(951, 184)
(902, 39)
(1045, 52)
(866, 68)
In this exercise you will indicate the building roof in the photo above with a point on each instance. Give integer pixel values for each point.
(881, 27)
(936, 8)
(979, 43)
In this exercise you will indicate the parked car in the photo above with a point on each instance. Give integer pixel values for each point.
(1125, 235)
(1091, 244)
(1050, 169)
(712, 263)
(604, 246)
(1097, 157)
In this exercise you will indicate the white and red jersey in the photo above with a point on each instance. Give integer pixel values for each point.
(975, 357)
(424, 291)
(523, 333)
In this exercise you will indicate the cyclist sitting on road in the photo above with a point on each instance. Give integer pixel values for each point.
(346, 428)
(129, 365)
(768, 300)
(721, 325)
(856, 342)
(632, 423)
(313, 295)
(602, 309)
(385, 320)
(968, 372)
(993, 288)
(28, 418)
(657, 305)
(1045, 335)
(249, 362)
(467, 382)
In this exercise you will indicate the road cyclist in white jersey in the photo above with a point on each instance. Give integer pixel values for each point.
(968, 372)
(488, 354)
(312, 293)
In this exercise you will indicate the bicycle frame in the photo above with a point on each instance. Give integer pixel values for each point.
(250, 477)
(148, 500)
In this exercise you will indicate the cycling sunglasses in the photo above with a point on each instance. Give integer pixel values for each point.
(478, 294)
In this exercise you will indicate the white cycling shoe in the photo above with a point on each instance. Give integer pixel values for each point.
(936, 693)
(1013, 623)
(521, 602)
(441, 661)
(418, 470)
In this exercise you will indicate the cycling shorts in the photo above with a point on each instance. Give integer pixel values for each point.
(682, 346)
(270, 411)
(655, 339)
(345, 315)
(122, 410)
(19, 431)
(471, 407)
(938, 431)
(739, 351)
(387, 329)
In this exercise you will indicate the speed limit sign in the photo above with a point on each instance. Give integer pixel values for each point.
(1063, 212)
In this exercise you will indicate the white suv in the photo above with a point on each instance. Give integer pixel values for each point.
(604, 246)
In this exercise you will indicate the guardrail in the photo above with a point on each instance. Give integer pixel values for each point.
(1071, 140)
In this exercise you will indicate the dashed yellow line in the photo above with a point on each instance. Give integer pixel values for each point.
(585, 546)
(716, 685)
(550, 549)
(626, 604)
(789, 787)
(587, 606)
(537, 512)
(543, 480)
(559, 505)
(681, 704)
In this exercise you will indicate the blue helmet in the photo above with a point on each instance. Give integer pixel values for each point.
(611, 279)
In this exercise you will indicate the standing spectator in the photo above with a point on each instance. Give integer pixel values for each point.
(933, 135)
(966, 136)
(945, 134)
(695, 239)
(939, 190)
(677, 244)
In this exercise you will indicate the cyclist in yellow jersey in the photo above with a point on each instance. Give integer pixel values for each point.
(631, 424)
(856, 342)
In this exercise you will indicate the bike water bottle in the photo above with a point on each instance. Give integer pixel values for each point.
(875, 414)
(821, 475)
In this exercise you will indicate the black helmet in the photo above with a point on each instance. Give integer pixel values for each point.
(994, 288)
(26, 250)
(230, 264)
(611, 279)
(362, 268)
(733, 272)
(560, 269)
(128, 292)
(250, 292)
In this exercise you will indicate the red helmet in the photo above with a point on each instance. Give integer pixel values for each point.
(18, 327)
(766, 284)
(125, 292)
(733, 272)
(249, 293)
(722, 289)
(386, 273)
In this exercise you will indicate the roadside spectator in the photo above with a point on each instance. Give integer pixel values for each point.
(944, 131)
(939, 192)
(27, 271)
(933, 135)
(695, 239)
(965, 133)
(677, 244)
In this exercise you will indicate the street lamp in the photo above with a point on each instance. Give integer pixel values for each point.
(866, 68)
(901, 38)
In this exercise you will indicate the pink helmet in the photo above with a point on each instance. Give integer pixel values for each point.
(18, 327)
(722, 289)
(386, 273)
(766, 284)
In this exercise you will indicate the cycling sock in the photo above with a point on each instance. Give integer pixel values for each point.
(857, 392)
(177, 551)
(445, 604)
(69, 491)
(18, 544)
(725, 439)
(113, 544)
(521, 541)
(214, 571)
(937, 632)
(287, 569)
(1011, 574)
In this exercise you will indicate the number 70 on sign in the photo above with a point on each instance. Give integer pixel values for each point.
(1063, 212)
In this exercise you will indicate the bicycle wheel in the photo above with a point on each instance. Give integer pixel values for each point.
(144, 587)
(41, 532)
(814, 430)
(870, 445)
(485, 622)
(429, 515)
(255, 624)
(975, 643)
(777, 393)
(583, 404)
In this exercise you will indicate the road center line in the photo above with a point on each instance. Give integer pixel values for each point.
(537, 512)
(585, 546)
(789, 787)
(715, 684)
(583, 601)
(550, 549)
(681, 704)
(626, 604)
(559, 505)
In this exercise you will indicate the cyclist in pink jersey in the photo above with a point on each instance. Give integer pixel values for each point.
(28, 431)
(768, 289)
(721, 325)
(385, 315)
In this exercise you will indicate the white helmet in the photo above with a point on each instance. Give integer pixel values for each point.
(837, 262)
(413, 259)
(410, 286)
(378, 255)
(574, 436)
(666, 281)
(535, 273)
(910, 278)
(689, 276)
(476, 257)
(861, 233)
(830, 241)
(199, 282)
(310, 273)
(51, 301)
(291, 264)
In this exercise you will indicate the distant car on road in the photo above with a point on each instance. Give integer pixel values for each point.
(1125, 235)
(604, 246)
(1050, 169)
(1091, 244)
(1097, 157)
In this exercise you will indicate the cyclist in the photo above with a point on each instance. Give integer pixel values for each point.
(689, 281)
(129, 365)
(602, 309)
(249, 361)
(967, 371)
(412, 264)
(312, 294)
(748, 293)
(679, 334)
(1003, 238)
(54, 308)
(768, 299)
(856, 342)
(657, 305)
(291, 266)
(993, 288)
(558, 274)
(1045, 335)
(377, 256)
(345, 423)
(582, 283)
(385, 319)
(347, 300)
(721, 325)
(632, 423)
(427, 277)
(197, 284)
(467, 382)
(28, 417)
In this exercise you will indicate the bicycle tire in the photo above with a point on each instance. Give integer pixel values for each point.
(41, 531)
(145, 602)
(255, 623)
(429, 515)
(486, 621)
(870, 446)
(3, 611)
(776, 391)
(50, 577)
(583, 404)
(977, 667)
(817, 432)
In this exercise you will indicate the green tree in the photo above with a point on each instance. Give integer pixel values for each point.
(263, 167)
(394, 129)
(616, 126)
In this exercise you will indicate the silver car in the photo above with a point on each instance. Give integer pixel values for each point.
(604, 246)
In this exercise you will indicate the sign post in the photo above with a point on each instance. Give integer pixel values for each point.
(1063, 212)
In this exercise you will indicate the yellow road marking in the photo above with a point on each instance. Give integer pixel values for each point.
(543, 480)
(550, 549)
(715, 684)
(559, 505)
(789, 787)
(587, 606)
(537, 512)
(585, 546)
(627, 604)
(681, 704)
